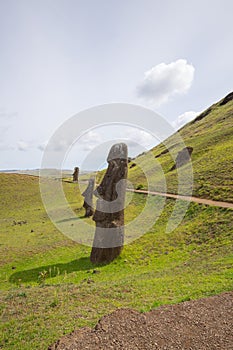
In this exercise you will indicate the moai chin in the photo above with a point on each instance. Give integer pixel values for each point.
(88, 198)
(109, 215)
(75, 174)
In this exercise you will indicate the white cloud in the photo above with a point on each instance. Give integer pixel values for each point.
(89, 140)
(138, 137)
(42, 146)
(184, 118)
(22, 146)
(57, 146)
(166, 80)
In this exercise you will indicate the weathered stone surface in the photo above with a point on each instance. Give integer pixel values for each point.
(109, 215)
(88, 198)
(75, 174)
(183, 157)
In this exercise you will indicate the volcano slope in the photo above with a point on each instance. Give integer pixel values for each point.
(210, 136)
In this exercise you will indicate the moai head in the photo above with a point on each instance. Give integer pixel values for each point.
(117, 170)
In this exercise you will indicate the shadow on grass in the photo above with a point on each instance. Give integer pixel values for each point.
(50, 271)
(72, 219)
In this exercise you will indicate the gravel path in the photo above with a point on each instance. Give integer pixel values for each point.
(205, 324)
(187, 198)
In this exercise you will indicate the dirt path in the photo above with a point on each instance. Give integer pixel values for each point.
(184, 198)
(205, 324)
(187, 198)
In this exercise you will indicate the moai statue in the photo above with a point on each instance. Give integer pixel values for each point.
(75, 174)
(183, 157)
(109, 215)
(88, 198)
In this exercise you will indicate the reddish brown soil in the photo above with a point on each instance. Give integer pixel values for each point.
(193, 325)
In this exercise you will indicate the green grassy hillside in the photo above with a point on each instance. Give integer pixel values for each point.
(49, 287)
(210, 135)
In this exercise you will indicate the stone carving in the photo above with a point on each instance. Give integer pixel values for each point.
(183, 157)
(75, 174)
(109, 215)
(88, 198)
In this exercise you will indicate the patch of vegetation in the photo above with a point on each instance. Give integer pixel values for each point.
(49, 287)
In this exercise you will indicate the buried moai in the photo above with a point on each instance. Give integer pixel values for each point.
(109, 215)
(88, 198)
(75, 174)
(182, 158)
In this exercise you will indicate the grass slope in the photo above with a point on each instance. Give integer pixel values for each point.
(210, 135)
(49, 287)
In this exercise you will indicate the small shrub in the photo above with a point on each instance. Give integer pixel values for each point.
(42, 276)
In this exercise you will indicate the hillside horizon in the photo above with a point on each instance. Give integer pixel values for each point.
(200, 116)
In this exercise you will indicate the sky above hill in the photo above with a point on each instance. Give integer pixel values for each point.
(59, 57)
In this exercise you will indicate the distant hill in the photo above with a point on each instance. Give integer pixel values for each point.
(34, 172)
(210, 136)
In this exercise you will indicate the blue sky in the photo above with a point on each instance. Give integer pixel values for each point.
(59, 57)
